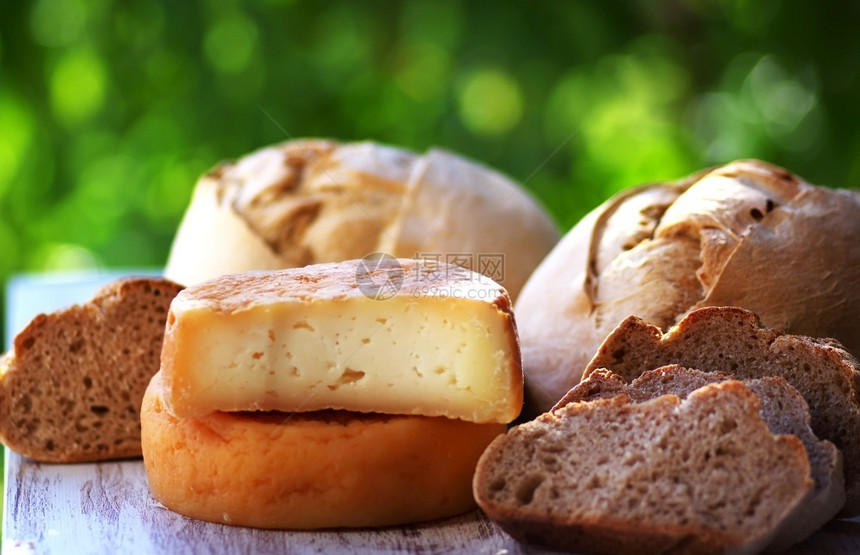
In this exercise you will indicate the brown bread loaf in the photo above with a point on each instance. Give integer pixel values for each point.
(746, 234)
(72, 385)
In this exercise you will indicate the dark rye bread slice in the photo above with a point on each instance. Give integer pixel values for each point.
(733, 341)
(72, 384)
(703, 475)
(782, 409)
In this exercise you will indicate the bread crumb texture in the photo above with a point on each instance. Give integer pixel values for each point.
(781, 407)
(733, 341)
(704, 474)
(72, 384)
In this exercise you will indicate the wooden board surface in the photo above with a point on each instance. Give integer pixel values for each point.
(107, 507)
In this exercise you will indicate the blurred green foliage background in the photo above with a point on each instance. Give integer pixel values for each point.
(110, 110)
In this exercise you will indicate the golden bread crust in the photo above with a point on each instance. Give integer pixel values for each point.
(311, 470)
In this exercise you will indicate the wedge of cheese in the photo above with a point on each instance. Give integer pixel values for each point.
(395, 336)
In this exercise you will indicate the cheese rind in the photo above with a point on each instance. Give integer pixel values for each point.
(311, 338)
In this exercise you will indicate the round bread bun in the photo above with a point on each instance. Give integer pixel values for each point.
(312, 470)
(747, 234)
(311, 201)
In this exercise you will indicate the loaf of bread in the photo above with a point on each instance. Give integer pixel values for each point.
(699, 475)
(312, 201)
(781, 407)
(747, 234)
(310, 470)
(72, 384)
(732, 340)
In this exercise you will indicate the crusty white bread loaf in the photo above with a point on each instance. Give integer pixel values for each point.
(746, 234)
(312, 201)
(733, 341)
(782, 409)
(699, 475)
(72, 384)
(310, 470)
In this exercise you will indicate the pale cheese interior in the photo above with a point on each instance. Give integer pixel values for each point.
(405, 355)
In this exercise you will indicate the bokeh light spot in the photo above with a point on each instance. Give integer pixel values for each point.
(781, 99)
(57, 257)
(752, 15)
(423, 71)
(140, 24)
(230, 43)
(718, 122)
(491, 102)
(343, 47)
(567, 105)
(10, 249)
(57, 22)
(622, 115)
(77, 85)
(167, 196)
(436, 21)
(16, 133)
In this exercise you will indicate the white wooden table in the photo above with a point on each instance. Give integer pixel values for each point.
(107, 508)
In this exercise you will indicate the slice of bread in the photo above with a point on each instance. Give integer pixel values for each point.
(732, 340)
(782, 409)
(72, 385)
(703, 474)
